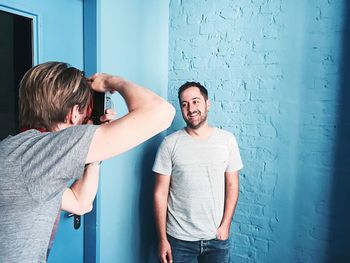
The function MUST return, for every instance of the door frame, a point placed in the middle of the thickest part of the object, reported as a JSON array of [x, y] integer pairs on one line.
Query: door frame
[[35, 27], [91, 65]]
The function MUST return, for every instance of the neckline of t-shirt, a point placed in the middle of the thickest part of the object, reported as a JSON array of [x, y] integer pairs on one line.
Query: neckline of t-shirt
[[200, 140]]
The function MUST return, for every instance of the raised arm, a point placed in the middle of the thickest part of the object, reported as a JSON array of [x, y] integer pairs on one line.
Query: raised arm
[[148, 115]]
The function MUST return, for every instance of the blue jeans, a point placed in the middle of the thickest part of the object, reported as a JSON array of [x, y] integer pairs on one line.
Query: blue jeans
[[203, 251]]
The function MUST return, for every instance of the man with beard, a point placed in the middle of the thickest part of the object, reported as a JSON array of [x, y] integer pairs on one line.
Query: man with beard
[[196, 187]]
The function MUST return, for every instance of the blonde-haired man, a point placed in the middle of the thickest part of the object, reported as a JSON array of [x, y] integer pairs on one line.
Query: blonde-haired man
[[55, 147]]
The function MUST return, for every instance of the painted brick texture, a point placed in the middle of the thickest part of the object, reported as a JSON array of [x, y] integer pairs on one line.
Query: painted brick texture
[[273, 69]]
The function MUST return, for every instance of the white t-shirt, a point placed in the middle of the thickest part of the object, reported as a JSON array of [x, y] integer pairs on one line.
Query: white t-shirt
[[197, 187]]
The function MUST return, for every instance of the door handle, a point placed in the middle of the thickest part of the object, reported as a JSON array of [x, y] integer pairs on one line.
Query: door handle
[[76, 220]]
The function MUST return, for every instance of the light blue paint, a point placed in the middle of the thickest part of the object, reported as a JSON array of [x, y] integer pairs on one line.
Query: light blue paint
[[133, 41], [56, 39], [276, 71], [49, 41]]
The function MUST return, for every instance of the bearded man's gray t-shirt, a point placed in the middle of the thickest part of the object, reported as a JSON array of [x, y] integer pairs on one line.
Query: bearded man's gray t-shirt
[[197, 185], [35, 168]]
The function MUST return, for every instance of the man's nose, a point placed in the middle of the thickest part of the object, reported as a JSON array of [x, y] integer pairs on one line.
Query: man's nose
[[191, 107]]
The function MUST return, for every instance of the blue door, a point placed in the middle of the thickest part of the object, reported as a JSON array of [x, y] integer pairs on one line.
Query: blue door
[[57, 35]]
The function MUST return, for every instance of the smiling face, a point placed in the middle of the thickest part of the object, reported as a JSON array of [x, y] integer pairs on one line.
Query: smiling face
[[194, 107]]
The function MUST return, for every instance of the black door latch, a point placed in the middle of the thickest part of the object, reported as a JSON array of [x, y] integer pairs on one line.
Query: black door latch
[[76, 220]]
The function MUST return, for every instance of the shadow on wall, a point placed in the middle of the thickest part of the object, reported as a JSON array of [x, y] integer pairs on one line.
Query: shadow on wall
[[148, 236], [340, 209]]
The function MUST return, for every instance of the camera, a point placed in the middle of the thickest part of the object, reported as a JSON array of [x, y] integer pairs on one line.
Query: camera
[[101, 102]]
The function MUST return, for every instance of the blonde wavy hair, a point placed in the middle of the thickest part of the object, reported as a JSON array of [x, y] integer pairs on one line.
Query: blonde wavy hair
[[48, 92]]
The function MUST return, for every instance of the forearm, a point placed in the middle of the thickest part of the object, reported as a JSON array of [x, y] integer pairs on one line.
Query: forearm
[[135, 96], [78, 198], [85, 188], [230, 206], [231, 197], [160, 213], [146, 105]]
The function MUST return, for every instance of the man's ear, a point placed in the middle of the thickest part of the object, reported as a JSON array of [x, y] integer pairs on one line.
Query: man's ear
[[208, 105], [73, 115]]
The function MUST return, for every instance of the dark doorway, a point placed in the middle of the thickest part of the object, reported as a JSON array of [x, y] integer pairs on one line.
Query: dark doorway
[[16, 56]]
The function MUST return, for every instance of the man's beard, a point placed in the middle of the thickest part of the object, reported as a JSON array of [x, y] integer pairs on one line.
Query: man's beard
[[199, 124]]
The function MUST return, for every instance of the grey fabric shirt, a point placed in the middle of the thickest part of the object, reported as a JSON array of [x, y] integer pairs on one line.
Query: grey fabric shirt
[[35, 168], [197, 186]]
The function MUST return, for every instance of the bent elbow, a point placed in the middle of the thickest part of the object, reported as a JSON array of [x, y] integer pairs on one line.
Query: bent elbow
[[87, 209], [169, 112], [84, 210]]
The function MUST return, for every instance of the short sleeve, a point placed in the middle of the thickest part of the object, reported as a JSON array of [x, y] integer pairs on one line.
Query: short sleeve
[[52, 159], [162, 163], [235, 161]]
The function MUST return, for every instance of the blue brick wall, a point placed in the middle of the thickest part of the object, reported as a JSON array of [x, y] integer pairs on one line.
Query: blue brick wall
[[275, 71]]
